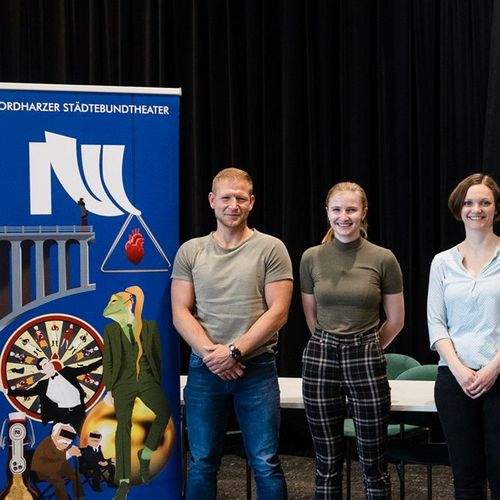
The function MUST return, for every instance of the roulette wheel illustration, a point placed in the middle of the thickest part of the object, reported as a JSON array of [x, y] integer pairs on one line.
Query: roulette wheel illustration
[[65, 340]]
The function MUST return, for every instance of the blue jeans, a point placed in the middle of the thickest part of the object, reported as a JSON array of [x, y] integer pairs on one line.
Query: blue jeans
[[256, 401], [472, 431]]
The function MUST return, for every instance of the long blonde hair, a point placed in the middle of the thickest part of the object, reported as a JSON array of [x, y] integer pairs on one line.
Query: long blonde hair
[[347, 186]]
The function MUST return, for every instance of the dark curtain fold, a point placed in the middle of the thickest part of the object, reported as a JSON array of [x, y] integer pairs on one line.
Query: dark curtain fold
[[401, 96]]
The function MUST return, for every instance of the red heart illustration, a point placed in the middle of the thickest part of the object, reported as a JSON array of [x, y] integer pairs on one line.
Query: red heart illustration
[[134, 248]]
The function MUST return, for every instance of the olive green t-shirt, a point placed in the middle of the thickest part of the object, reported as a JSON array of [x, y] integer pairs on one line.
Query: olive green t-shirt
[[229, 284], [348, 281]]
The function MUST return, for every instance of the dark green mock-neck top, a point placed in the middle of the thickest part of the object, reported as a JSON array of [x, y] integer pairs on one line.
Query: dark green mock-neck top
[[348, 281]]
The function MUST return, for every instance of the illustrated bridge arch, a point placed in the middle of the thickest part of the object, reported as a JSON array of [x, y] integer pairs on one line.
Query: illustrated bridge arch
[[25, 266]]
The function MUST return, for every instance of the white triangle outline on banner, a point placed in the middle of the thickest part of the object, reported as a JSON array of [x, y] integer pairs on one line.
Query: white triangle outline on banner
[[153, 239]]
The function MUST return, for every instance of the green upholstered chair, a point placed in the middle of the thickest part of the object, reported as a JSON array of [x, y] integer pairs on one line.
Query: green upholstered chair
[[396, 364], [399, 363], [410, 451], [422, 372]]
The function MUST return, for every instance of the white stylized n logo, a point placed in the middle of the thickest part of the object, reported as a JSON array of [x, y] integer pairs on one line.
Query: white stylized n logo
[[59, 153]]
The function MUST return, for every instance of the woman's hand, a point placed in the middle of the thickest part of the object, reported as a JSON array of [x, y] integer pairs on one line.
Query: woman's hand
[[484, 380], [474, 383], [466, 378]]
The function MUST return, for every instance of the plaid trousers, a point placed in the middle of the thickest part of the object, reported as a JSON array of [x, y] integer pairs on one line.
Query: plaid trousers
[[351, 367]]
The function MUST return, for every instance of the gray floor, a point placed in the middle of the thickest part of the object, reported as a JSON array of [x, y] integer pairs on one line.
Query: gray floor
[[299, 472]]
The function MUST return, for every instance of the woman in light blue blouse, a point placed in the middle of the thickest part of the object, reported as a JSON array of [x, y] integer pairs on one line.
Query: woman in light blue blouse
[[463, 312]]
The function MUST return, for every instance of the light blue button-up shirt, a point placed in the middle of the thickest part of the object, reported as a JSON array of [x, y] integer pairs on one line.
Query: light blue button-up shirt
[[465, 309]]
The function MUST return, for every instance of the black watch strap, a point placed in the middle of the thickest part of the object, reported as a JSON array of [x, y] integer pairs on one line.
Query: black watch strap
[[234, 352]]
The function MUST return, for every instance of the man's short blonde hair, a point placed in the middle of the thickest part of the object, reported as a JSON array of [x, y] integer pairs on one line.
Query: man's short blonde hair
[[232, 174]]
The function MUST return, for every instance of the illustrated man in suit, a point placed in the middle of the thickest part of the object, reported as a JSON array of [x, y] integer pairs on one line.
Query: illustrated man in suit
[[62, 398], [93, 463], [132, 369], [50, 461]]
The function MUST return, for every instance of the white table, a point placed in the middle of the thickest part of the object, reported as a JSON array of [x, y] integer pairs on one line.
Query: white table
[[406, 395], [414, 396]]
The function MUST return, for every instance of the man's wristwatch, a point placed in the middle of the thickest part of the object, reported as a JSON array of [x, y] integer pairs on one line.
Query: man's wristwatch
[[234, 352]]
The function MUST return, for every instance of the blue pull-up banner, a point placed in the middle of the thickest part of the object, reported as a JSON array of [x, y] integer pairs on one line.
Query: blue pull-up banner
[[89, 364]]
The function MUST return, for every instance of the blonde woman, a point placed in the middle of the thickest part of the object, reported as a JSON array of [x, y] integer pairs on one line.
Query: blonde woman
[[344, 281]]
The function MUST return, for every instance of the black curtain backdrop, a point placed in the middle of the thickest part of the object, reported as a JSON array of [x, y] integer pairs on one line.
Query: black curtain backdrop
[[401, 96]]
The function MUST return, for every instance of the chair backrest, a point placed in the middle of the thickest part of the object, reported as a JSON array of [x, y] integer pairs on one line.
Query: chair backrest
[[399, 363], [422, 372]]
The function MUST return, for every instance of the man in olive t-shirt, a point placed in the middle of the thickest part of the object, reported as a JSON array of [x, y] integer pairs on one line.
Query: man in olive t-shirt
[[231, 291]]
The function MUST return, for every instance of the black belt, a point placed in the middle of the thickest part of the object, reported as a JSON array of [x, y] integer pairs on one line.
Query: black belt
[[74, 408]]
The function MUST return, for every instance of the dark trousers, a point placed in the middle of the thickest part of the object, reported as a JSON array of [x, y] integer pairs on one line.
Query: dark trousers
[[472, 431], [152, 395], [97, 472], [73, 416]]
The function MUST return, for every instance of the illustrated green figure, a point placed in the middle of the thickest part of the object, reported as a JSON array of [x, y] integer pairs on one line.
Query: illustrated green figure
[[132, 369]]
